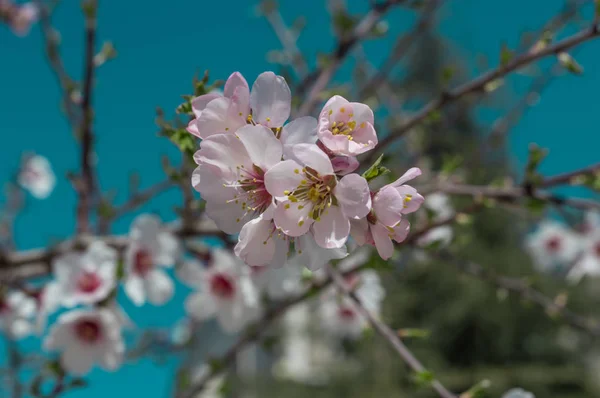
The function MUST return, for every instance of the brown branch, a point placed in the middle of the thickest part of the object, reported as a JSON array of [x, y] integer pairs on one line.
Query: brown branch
[[322, 76], [478, 84], [567, 178], [387, 333], [514, 194], [288, 40], [37, 262], [522, 289], [87, 185]]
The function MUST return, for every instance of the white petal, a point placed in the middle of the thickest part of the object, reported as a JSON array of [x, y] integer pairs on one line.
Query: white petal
[[77, 360], [169, 249], [409, 175], [314, 256], [333, 229], [221, 115], [383, 242], [313, 157], [224, 151], [190, 273], [300, 131], [229, 217], [234, 81], [263, 147], [200, 102], [134, 287], [270, 100], [255, 245], [200, 306], [293, 218], [284, 176], [145, 228], [159, 287], [354, 196]]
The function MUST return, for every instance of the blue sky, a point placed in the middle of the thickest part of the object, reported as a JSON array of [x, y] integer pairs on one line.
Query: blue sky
[[161, 45]]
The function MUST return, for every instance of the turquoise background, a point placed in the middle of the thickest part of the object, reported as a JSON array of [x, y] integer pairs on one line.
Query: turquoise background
[[162, 44]]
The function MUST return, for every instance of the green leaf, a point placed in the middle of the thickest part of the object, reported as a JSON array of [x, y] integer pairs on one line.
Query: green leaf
[[424, 378], [570, 64], [506, 55], [375, 170], [416, 333]]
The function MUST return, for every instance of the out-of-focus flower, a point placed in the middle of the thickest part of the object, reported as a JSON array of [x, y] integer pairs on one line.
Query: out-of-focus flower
[[553, 246], [311, 196], [588, 262], [17, 312], [151, 248], [225, 292], [19, 17], [346, 128], [277, 282], [87, 277], [213, 387], [439, 204], [37, 177], [517, 393], [85, 338], [385, 222]]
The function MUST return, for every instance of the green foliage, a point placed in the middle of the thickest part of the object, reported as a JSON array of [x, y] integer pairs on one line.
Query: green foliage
[[376, 170]]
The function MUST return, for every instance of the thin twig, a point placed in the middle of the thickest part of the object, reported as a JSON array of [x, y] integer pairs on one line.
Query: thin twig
[[288, 40], [478, 84], [325, 74], [567, 178], [387, 333]]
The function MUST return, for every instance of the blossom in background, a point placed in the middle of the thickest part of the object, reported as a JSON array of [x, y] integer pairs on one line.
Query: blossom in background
[[385, 222], [517, 393], [37, 177], [553, 245], [339, 315], [225, 291], [213, 388], [87, 277], [17, 313], [346, 128], [151, 248], [311, 196], [277, 282], [19, 17], [438, 204], [85, 338], [269, 104], [588, 262]]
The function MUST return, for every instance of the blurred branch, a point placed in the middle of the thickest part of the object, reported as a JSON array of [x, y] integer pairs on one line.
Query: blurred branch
[[478, 84], [87, 185], [387, 333], [568, 178], [323, 75]]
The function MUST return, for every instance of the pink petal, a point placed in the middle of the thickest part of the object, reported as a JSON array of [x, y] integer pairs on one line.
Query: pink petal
[[225, 152], [293, 218], [256, 245], [283, 177], [409, 175], [412, 199], [270, 100], [359, 230], [200, 103], [332, 230], [235, 81], [229, 217], [300, 131], [263, 147], [313, 157], [192, 128], [219, 116], [354, 196], [388, 205], [383, 243], [401, 230], [343, 165], [362, 113]]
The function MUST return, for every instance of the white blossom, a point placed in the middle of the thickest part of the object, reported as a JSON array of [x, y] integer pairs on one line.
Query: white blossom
[[17, 312], [37, 177]]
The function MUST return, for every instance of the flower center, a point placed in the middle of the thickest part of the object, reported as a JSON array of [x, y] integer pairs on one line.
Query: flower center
[[222, 286], [88, 330], [553, 244], [314, 189], [4, 307], [597, 249], [142, 262], [254, 197], [88, 282], [346, 313]]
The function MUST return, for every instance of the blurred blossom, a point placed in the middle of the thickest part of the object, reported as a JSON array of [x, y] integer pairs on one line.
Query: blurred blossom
[[85, 338], [17, 313], [278, 282], [37, 177], [151, 249], [213, 387], [181, 333], [87, 277], [553, 246], [19, 17], [589, 259], [517, 393], [225, 291]]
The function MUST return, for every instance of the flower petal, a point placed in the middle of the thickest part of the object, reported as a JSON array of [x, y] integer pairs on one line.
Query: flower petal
[[332, 230], [359, 230], [300, 131], [412, 199], [263, 147], [201, 102], [388, 205], [383, 242], [409, 175], [314, 256], [255, 245], [200, 306], [293, 218], [228, 216], [221, 115], [134, 288], [234, 81], [401, 230], [159, 287], [225, 152], [313, 157], [270, 100], [283, 177], [354, 196]]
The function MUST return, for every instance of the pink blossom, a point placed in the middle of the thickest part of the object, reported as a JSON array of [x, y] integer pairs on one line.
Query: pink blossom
[[23, 17], [346, 128], [385, 222], [230, 176], [268, 104], [310, 195]]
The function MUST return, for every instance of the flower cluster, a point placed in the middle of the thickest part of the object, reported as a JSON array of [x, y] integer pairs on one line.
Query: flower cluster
[[292, 185], [19, 17], [556, 248]]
